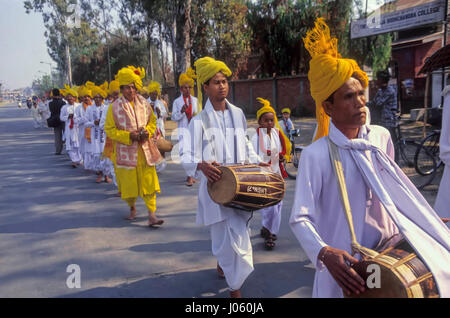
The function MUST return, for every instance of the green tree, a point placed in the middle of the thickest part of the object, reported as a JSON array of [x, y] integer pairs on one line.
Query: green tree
[[221, 30], [278, 27]]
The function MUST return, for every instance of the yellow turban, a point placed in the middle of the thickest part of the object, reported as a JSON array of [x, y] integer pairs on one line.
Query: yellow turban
[[143, 90], [207, 68], [131, 74], [154, 87], [285, 110], [268, 109], [100, 90], [84, 91], [113, 86], [188, 78], [328, 71], [69, 91]]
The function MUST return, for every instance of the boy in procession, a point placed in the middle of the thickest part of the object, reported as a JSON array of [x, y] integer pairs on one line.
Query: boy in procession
[[183, 110], [71, 131]]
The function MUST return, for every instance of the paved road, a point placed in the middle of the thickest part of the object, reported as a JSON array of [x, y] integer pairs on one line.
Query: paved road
[[52, 215]]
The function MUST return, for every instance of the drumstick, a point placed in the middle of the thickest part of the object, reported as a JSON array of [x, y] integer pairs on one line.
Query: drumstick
[[445, 220]]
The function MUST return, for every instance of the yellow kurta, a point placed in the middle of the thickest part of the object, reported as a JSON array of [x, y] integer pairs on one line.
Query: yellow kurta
[[142, 180]]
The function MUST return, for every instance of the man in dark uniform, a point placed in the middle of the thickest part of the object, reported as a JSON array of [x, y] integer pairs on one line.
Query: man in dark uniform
[[55, 110]]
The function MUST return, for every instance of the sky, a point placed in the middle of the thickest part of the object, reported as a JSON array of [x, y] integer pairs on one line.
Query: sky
[[22, 46]]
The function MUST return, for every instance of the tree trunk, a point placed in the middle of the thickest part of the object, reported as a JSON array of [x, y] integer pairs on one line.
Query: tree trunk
[[69, 65], [182, 48], [163, 56], [173, 34], [150, 55]]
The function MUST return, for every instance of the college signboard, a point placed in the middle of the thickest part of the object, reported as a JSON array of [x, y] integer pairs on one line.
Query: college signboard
[[390, 17]]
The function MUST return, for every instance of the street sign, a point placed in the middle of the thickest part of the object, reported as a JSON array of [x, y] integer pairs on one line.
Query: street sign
[[393, 17]]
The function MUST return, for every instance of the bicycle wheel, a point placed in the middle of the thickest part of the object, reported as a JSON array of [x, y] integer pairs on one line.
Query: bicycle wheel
[[426, 157], [404, 153], [291, 167]]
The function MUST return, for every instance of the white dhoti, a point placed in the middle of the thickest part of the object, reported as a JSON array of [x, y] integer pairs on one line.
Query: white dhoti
[[232, 247], [442, 204], [271, 217], [74, 154], [88, 160]]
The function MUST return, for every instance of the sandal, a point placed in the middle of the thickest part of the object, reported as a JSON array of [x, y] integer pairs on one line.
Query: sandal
[[159, 222], [269, 244], [265, 233]]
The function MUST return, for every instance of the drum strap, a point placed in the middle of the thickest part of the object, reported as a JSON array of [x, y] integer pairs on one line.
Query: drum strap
[[339, 172]]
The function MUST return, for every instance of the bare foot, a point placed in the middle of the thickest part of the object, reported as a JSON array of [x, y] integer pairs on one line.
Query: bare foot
[[153, 220], [132, 215], [99, 178], [190, 181], [235, 294], [118, 194], [220, 271], [108, 179]]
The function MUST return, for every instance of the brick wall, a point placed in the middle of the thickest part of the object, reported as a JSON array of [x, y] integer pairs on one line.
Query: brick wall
[[291, 92]]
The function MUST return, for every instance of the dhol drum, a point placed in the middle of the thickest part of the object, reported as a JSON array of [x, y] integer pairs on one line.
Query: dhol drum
[[247, 187], [402, 274]]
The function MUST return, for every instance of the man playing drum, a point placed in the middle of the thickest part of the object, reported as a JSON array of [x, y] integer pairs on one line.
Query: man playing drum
[[217, 136], [383, 200]]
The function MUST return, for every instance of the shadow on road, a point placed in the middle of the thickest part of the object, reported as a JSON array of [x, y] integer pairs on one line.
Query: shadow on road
[[206, 284]]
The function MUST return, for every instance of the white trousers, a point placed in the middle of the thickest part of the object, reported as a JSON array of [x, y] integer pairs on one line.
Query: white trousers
[[232, 247], [88, 160], [271, 217], [74, 155]]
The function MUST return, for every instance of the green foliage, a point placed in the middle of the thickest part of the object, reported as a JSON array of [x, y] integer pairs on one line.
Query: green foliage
[[222, 32], [278, 28], [178, 32]]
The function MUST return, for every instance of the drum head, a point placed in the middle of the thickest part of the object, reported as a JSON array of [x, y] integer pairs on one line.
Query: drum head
[[223, 191], [390, 285]]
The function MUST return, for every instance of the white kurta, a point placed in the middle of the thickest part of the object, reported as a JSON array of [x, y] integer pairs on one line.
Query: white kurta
[[271, 216], [44, 111], [383, 201], [226, 143], [71, 135], [442, 204], [317, 201], [98, 135], [108, 166], [37, 123], [163, 115], [80, 120], [182, 120]]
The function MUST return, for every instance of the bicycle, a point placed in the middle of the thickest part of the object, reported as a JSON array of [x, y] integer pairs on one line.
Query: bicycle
[[408, 155], [426, 159], [291, 165], [405, 148]]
